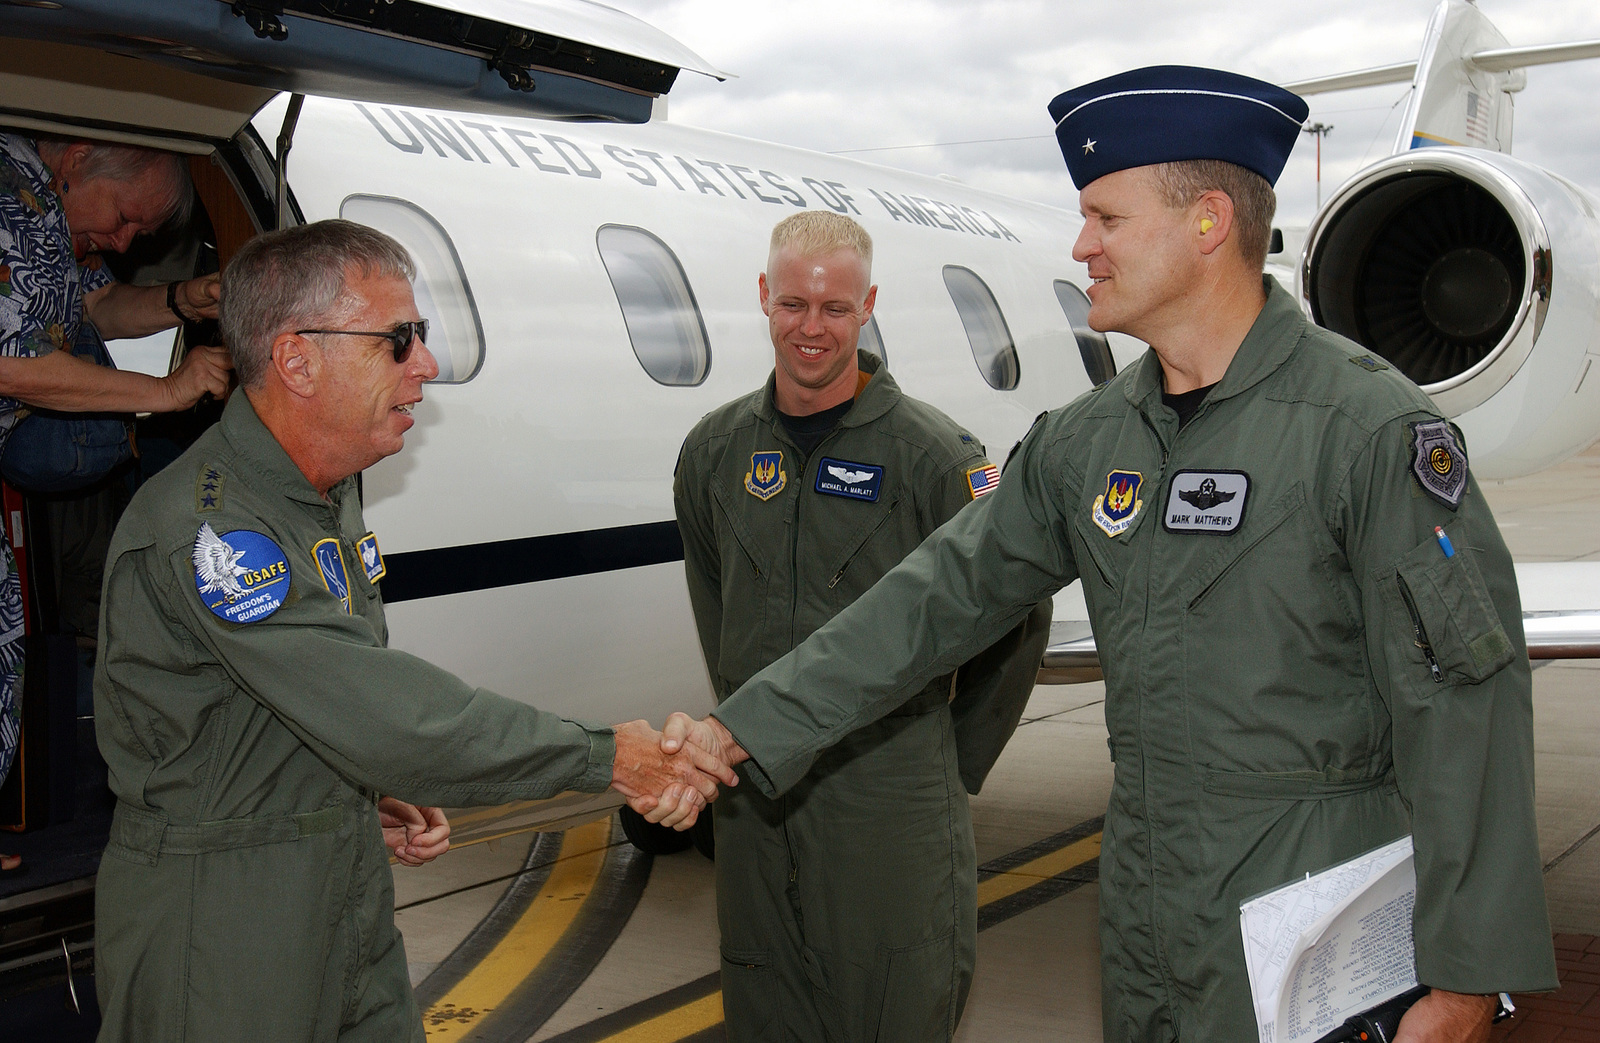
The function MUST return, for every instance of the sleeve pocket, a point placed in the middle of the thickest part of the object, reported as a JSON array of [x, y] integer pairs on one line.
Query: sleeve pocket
[[1451, 613]]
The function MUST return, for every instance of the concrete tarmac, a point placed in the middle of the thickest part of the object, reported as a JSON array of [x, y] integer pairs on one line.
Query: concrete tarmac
[[643, 968]]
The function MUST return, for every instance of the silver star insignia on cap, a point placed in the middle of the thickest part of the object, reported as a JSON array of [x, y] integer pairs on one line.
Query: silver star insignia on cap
[[1088, 146]]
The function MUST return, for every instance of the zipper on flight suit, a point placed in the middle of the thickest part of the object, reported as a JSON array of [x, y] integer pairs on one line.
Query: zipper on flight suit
[[837, 576], [1422, 635]]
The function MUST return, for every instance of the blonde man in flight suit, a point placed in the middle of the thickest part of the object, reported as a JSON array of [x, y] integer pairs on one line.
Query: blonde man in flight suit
[[848, 903]]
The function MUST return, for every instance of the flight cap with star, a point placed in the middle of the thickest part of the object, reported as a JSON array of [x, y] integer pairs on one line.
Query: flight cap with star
[[1168, 113]]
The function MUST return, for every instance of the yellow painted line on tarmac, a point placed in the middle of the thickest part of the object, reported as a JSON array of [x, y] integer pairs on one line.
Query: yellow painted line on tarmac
[[1008, 883], [681, 1023], [704, 1013], [551, 913]]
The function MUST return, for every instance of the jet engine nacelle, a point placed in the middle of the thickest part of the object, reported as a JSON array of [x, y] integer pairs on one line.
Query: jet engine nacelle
[[1477, 276]]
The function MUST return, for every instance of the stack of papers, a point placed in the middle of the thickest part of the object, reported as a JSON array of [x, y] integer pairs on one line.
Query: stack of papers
[[1323, 949]]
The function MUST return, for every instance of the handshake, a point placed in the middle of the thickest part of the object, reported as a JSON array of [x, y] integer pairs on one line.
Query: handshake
[[670, 775]]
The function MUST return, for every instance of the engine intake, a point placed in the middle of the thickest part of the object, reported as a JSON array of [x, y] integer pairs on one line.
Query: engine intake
[[1443, 262]]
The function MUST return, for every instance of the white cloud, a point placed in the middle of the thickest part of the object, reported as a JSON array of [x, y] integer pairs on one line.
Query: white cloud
[[839, 75]]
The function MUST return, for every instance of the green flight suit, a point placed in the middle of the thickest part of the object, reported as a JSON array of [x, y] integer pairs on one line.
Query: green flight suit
[[1270, 710], [246, 892], [847, 904]]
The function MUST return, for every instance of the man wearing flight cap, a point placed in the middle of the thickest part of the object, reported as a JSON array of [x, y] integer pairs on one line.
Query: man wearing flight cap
[[1308, 622]]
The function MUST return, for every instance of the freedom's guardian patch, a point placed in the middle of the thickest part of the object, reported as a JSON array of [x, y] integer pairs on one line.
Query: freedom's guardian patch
[[1206, 501], [981, 481], [850, 480], [1115, 509], [241, 576], [371, 557], [1438, 461], [765, 478], [330, 562]]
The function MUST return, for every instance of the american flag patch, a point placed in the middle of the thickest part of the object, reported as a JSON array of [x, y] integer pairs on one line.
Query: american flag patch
[[981, 481]]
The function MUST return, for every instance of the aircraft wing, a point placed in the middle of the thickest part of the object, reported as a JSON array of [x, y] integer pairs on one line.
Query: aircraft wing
[[1500, 59], [1560, 615]]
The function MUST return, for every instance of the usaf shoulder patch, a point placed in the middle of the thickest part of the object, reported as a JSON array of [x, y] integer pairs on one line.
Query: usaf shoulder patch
[[766, 479], [1115, 509], [330, 562], [208, 490], [852, 481], [1438, 461], [1206, 501], [241, 576], [981, 480], [1370, 363], [371, 558]]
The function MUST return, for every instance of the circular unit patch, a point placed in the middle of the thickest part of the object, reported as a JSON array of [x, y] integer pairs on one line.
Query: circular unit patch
[[241, 576]]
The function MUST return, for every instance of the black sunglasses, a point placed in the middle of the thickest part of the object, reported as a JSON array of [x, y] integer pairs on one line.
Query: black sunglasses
[[401, 337]]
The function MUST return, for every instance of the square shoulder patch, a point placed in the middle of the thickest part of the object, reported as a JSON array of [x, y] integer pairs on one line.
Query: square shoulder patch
[[983, 479]]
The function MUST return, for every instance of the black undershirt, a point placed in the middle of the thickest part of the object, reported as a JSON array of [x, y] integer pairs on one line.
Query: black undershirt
[[809, 431], [1186, 404]]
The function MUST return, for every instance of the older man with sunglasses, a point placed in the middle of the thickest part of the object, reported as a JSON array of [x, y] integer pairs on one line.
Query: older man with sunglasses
[[264, 744]]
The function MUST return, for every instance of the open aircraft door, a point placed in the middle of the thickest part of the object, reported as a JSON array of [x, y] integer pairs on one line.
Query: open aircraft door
[[192, 76]]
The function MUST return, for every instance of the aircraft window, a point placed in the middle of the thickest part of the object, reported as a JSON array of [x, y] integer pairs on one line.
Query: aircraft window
[[992, 347], [1092, 345], [455, 333], [872, 340], [663, 320]]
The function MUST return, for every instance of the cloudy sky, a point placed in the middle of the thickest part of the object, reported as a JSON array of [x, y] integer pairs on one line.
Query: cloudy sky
[[959, 87]]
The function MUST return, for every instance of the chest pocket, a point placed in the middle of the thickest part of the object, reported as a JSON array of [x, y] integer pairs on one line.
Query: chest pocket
[[858, 559], [742, 552], [1233, 549], [1107, 557]]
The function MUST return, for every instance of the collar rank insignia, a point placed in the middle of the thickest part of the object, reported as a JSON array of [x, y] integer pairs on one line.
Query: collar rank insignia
[[330, 562], [208, 490], [981, 481], [1438, 461], [1206, 501], [371, 557], [1114, 510], [766, 478], [241, 576], [852, 481]]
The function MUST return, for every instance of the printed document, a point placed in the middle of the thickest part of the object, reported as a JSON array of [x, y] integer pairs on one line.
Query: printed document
[[1328, 947]]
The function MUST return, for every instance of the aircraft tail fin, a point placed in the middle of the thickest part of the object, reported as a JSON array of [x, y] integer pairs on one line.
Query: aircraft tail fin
[[1455, 100], [1462, 85]]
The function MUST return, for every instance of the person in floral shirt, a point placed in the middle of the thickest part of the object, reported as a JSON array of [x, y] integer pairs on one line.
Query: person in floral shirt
[[61, 204]]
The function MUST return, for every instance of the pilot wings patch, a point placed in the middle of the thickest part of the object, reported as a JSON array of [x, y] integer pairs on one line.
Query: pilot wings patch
[[853, 481]]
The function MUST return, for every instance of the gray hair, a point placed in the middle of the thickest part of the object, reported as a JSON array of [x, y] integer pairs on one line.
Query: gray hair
[[167, 172], [1254, 202], [812, 232], [295, 279]]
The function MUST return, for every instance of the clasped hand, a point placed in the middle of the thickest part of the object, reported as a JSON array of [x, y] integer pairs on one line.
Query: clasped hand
[[669, 777]]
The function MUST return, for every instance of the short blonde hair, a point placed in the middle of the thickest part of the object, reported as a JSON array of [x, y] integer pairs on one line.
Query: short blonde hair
[[818, 232]]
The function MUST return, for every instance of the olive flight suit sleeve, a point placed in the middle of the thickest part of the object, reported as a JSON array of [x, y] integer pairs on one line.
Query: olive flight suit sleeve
[[382, 718], [702, 564], [1446, 649], [969, 583], [992, 688]]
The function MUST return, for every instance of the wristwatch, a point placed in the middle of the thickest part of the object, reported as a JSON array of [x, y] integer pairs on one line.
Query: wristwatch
[[172, 302], [1504, 1008]]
